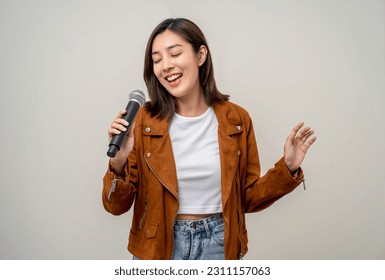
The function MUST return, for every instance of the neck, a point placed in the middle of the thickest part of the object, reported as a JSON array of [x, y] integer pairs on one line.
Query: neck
[[191, 107]]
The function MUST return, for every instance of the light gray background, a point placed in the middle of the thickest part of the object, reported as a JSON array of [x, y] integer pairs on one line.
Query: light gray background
[[67, 67]]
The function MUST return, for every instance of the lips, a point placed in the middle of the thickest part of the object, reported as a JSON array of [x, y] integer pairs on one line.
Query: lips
[[172, 78]]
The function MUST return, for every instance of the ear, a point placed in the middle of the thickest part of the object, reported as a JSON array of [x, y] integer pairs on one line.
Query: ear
[[202, 55]]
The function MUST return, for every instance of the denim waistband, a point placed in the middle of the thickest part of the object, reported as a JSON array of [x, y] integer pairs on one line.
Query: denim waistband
[[199, 225]]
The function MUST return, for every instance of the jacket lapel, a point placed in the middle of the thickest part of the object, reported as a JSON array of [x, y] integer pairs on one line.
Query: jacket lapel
[[229, 124], [158, 153]]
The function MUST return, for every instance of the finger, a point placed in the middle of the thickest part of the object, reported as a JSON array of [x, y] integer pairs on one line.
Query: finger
[[307, 145], [121, 113], [120, 121], [302, 133], [119, 126], [295, 131], [112, 132], [310, 142], [307, 135]]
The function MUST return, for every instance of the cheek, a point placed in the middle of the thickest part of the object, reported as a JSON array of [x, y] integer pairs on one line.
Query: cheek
[[195, 72]]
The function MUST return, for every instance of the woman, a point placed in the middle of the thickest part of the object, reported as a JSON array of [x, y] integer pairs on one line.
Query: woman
[[193, 170]]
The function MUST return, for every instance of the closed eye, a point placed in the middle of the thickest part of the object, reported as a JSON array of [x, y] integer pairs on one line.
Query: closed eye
[[176, 55]]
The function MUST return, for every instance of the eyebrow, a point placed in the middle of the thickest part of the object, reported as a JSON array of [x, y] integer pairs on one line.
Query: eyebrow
[[168, 48]]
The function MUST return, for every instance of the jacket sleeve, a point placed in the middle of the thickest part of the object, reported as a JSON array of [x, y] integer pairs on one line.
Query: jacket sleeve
[[119, 190], [261, 192]]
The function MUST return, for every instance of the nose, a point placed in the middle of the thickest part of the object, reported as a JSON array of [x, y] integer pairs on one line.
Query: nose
[[167, 64]]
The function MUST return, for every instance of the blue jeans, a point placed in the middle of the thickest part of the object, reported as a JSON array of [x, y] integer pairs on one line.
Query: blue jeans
[[199, 239]]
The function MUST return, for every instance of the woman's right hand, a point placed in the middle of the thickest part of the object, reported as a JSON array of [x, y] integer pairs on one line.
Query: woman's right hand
[[117, 127]]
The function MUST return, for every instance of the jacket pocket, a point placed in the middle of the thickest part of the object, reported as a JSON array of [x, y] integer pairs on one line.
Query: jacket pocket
[[150, 229]]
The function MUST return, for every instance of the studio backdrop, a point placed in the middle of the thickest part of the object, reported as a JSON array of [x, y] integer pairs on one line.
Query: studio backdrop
[[67, 67]]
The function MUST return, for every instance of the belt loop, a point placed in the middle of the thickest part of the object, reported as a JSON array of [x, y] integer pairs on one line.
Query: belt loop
[[208, 232]]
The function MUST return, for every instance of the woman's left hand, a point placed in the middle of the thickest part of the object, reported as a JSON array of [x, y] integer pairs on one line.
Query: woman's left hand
[[297, 145]]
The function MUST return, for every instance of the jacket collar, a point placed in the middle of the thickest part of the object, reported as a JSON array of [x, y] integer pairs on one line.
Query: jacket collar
[[228, 118], [227, 115]]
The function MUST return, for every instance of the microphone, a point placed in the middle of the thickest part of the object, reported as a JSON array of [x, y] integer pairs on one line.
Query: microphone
[[135, 100]]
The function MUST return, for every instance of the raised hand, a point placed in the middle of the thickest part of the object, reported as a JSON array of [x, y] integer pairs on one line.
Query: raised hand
[[297, 145], [117, 127]]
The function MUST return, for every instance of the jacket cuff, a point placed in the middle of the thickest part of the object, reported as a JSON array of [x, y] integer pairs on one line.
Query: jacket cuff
[[120, 175], [298, 176]]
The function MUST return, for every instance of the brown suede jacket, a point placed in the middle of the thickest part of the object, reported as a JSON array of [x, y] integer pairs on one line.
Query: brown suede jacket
[[149, 179]]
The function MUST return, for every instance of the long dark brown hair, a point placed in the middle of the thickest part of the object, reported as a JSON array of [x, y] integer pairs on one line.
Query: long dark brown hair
[[162, 104]]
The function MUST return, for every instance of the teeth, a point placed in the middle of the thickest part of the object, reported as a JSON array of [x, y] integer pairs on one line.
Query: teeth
[[173, 77]]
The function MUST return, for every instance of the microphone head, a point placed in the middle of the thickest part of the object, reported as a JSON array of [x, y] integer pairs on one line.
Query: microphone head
[[137, 96]]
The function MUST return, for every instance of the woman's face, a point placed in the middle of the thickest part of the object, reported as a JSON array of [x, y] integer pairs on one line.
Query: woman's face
[[176, 64]]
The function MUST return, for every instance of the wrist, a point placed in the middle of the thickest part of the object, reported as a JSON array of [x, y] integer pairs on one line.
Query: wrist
[[292, 169], [293, 172], [118, 164]]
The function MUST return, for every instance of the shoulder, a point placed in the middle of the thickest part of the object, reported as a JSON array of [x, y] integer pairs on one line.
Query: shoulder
[[234, 113], [231, 106], [144, 114], [145, 119]]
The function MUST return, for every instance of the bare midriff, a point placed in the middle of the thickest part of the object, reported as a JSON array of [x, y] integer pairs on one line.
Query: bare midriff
[[192, 217]]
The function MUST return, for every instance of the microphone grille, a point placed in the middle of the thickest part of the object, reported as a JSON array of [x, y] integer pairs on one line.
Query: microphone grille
[[138, 96]]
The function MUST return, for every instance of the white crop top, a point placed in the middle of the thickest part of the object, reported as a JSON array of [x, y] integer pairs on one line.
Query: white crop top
[[196, 152]]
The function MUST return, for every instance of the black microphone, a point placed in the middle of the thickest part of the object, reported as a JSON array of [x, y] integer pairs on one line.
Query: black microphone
[[135, 100]]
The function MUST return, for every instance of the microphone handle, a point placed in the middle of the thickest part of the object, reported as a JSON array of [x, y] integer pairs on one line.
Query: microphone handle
[[117, 140]]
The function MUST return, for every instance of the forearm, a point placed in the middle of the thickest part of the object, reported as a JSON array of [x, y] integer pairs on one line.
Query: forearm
[[118, 192], [276, 183]]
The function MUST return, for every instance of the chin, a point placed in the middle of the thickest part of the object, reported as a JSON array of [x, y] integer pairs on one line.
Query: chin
[[176, 92]]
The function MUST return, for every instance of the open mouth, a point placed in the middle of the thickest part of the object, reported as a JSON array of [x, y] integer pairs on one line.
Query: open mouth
[[173, 78]]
